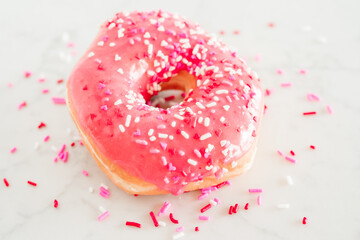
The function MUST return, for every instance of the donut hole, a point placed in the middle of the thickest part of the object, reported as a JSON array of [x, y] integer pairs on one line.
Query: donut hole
[[173, 91]]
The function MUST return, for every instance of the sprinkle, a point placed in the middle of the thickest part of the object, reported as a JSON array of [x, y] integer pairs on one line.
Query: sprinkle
[[27, 74], [289, 180], [57, 100], [121, 127], [235, 209], [152, 215], [103, 216], [173, 124], [283, 205], [303, 71], [200, 105], [246, 206], [312, 146], [226, 107], [255, 190], [13, 150], [104, 107], [286, 84], [56, 204], [203, 196], [312, 97], [230, 212], [217, 201], [179, 229], [118, 102], [141, 142], [128, 119], [204, 218], [152, 138], [6, 182], [292, 153], [212, 104], [204, 209], [280, 153], [304, 220], [21, 105], [91, 189], [178, 117], [133, 224], [46, 138], [120, 70], [178, 235], [205, 136], [207, 122], [164, 208], [85, 173], [196, 229], [259, 200], [279, 71], [290, 159], [32, 183], [222, 91], [91, 54], [309, 113], [192, 162], [220, 185], [172, 219], [185, 135], [329, 109]]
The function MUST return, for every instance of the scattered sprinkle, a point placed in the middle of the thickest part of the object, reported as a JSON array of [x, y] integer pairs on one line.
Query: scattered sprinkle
[[21, 105], [32, 183], [255, 190], [303, 71], [259, 200], [304, 220], [13, 150], [329, 109], [312, 146], [133, 224], [287, 84], [204, 218], [153, 218], [103, 216], [56, 203], [204, 209], [309, 113], [85, 173], [289, 180], [6, 182], [57, 100], [246, 206], [172, 219], [290, 159]]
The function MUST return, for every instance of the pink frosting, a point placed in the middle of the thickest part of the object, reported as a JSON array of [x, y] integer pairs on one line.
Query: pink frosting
[[132, 53]]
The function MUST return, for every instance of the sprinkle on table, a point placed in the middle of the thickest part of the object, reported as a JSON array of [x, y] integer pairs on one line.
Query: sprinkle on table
[[259, 200], [312, 146], [27, 74], [56, 203], [235, 209], [57, 100], [103, 216], [172, 219], [230, 212], [304, 220], [153, 218], [32, 183], [13, 150], [41, 125], [204, 209], [329, 109], [196, 229], [133, 224], [309, 113], [21, 105], [85, 173], [204, 218], [6, 182], [255, 190], [246, 206]]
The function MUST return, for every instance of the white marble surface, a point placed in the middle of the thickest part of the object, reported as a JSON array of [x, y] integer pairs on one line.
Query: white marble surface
[[322, 37]]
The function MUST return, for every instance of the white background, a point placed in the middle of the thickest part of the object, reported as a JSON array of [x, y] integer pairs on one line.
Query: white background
[[322, 37]]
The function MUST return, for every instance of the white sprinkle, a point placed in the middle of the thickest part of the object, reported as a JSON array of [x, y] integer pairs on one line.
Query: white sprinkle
[[283, 205], [289, 180], [212, 104], [212, 202], [223, 143], [178, 117], [146, 42], [163, 43], [207, 122], [150, 132], [111, 44], [234, 164], [171, 137], [150, 49], [200, 105], [147, 35], [142, 142], [200, 120], [91, 54], [210, 147], [37, 145], [162, 224], [173, 124], [222, 91], [91, 189], [154, 150], [226, 107], [197, 153], [192, 162], [185, 135], [117, 58], [161, 29], [152, 138], [222, 119], [216, 98], [151, 73], [205, 136], [121, 33], [162, 135], [128, 119], [101, 43], [137, 119], [208, 168], [121, 127], [120, 70], [111, 26]]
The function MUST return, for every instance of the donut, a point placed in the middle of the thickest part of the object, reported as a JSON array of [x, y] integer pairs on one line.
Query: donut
[[207, 138]]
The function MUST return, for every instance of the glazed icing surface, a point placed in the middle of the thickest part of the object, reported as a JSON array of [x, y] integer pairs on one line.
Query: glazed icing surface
[[131, 55]]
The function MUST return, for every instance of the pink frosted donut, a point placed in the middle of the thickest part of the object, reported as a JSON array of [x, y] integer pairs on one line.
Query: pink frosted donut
[[206, 139]]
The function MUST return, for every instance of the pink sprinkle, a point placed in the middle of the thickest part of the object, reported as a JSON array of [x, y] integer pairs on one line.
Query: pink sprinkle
[[103, 216], [259, 200], [312, 97], [303, 71], [203, 196], [255, 190], [280, 153], [290, 159], [27, 74], [104, 107], [41, 80], [21, 105], [13, 150], [329, 109], [286, 84], [71, 44], [85, 173], [55, 159], [279, 71], [10, 85], [204, 218], [236, 32], [179, 229], [46, 138], [217, 201], [164, 208], [65, 158], [257, 57], [45, 90], [62, 149], [57, 100]]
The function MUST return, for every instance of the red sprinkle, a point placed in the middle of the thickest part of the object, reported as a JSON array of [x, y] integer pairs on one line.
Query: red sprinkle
[[72, 144], [21, 105], [152, 215], [196, 229], [172, 219], [304, 220], [6, 182], [220, 185], [42, 125], [56, 204], [292, 153], [271, 24], [230, 210], [133, 224], [32, 183], [60, 81], [309, 113], [169, 98], [312, 146], [246, 206], [207, 207], [235, 209]]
